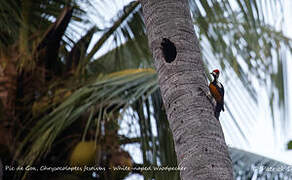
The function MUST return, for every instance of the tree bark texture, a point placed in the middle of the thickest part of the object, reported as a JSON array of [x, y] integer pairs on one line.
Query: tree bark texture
[[198, 137]]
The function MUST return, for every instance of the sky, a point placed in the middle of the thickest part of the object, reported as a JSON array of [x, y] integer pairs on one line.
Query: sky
[[260, 133]]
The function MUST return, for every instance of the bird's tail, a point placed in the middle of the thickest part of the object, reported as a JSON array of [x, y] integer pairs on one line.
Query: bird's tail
[[218, 109]]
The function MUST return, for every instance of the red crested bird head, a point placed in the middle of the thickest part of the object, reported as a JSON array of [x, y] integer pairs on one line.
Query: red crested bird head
[[215, 73]]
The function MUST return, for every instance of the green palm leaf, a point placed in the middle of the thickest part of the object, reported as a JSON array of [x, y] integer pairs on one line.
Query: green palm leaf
[[117, 89], [239, 36]]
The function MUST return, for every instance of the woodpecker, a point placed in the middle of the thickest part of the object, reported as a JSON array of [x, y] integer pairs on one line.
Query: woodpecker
[[217, 91]]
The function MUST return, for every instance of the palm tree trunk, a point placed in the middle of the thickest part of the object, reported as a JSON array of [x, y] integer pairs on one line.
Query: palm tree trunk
[[198, 137]]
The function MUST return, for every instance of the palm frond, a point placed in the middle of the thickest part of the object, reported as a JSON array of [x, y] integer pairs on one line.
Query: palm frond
[[132, 54], [24, 20], [78, 51], [118, 89], [10, 19], [125, 43], [127, 11], [240, 36]]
